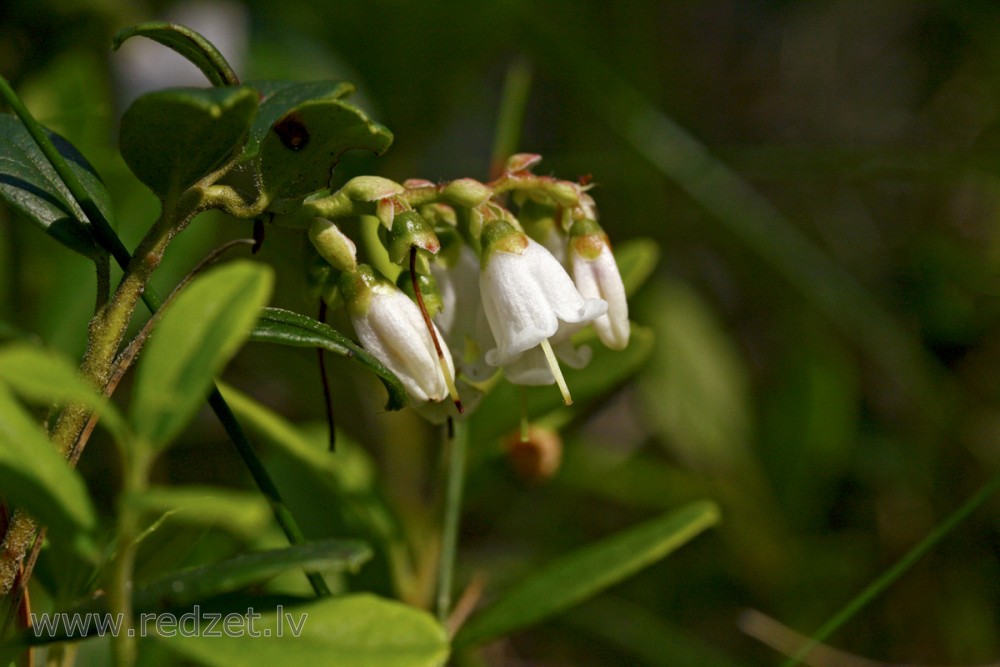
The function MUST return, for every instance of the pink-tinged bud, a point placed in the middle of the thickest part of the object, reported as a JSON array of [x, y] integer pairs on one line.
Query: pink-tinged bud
[[371, 188], [467, 192], [333, 245], [521, 162], [392, 328], [418, 184], [596, 275]]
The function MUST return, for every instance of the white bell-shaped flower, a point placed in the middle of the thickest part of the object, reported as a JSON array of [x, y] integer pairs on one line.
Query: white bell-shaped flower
[[391, 327], [596, 275], [526, 294], [461, 317]]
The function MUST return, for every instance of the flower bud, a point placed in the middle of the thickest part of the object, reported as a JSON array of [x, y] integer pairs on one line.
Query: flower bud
[[563, 193], [596, 275], [371, 188], [392, 328], [333, 245], [521, 162], [409, 229], [467, 192]]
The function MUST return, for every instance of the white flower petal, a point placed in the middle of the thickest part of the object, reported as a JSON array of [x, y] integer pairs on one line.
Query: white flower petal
[[599, 278]]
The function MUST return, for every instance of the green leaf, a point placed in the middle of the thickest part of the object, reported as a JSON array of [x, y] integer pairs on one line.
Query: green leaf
[[278, 98], [637, 258], [30, 186], [580, 575], [696, 385], [34, 476], [351, 631], [171, 138], [42, 376], [298, 154], [204, 326], [181, 589], [285, 327], [239, 512], [189, 44]]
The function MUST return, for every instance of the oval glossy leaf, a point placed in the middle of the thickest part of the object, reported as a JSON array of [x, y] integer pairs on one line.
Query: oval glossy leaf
[[33, 475], [281, 97], [42, 376], [285, 327], [190, 44], [299, 152], [200, 330], [351, 631], [582, 574], [171, 138], [239, 512], [30, 186]]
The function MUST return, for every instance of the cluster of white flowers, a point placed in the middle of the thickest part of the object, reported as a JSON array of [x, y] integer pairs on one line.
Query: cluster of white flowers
[[504, 293]]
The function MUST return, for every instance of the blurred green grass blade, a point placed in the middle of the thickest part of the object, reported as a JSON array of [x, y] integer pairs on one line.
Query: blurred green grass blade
[[731, 200], [584, 573], [242, 513], [188, 43], [200, 330], [285, 327], [33, 475], [351, 631], [510, 118], [182, 589], [42, 376]]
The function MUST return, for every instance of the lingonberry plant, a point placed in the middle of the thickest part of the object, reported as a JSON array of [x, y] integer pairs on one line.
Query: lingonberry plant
[[467, 288]]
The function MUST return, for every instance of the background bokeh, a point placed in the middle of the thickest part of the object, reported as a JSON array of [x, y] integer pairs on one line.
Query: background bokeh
[[823, 183]]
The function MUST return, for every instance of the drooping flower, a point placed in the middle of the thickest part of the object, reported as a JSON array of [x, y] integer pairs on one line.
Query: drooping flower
[[596, 275], [527, 295], [391, 327], [462, 318]]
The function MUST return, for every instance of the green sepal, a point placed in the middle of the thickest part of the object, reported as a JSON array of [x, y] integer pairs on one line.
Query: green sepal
[[409, 229]]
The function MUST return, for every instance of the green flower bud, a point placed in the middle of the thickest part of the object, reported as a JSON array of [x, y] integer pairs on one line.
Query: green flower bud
[[333, 245], [563, 193], [371, 188], [521, 162], [409, 229], [467, 192]]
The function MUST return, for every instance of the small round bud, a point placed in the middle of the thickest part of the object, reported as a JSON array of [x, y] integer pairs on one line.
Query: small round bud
[[537, 458], [371, 188], [409, 229], [467, 192], [563, 193]]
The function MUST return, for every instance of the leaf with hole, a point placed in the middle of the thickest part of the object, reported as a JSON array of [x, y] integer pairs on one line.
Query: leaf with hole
[[279, 98], [172, 138], [299, 152], [285, 327], [30, 186]]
